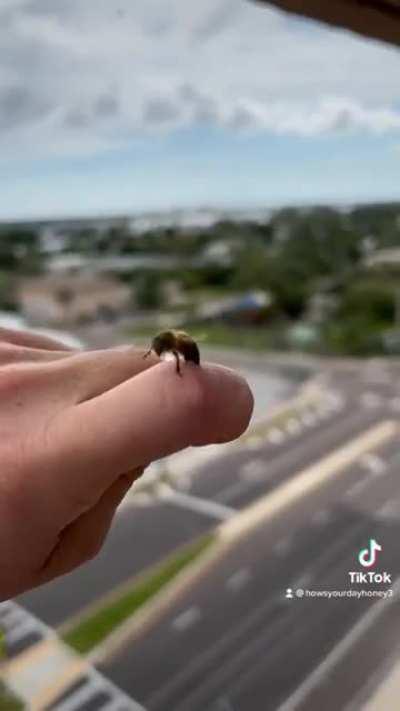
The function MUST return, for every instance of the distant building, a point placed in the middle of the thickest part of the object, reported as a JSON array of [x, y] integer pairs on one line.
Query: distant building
[[195, 220], [72, 262], [247, 307], [190, 220], [72, 299], [55, 234], [217, 252], [383, 259], [320, 307]]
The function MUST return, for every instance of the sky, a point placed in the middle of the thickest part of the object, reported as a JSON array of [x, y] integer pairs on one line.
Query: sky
[[125, 106]]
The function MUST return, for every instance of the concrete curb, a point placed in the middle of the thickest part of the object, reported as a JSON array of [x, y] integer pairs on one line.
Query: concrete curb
[[156, 605], [307, 480], [240, 525]]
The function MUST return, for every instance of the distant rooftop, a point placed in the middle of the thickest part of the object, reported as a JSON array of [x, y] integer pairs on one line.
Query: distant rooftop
[[383, 258], [77, 262]]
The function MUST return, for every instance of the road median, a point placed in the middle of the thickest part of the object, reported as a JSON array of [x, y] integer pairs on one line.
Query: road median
[[227, 533]]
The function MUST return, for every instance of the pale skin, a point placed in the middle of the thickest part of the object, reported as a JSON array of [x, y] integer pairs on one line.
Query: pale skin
[[77, 428]]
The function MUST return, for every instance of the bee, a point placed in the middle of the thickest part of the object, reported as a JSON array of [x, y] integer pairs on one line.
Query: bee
[[175, 342]]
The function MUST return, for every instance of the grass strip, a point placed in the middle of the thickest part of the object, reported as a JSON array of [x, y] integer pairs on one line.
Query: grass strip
[[94, 629], [8, 702]]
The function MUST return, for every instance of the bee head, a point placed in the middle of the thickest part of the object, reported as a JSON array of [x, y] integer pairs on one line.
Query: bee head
[[164, 341]]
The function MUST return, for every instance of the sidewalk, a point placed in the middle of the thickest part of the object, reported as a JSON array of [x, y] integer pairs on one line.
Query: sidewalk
[[386, 697], [47, 670]]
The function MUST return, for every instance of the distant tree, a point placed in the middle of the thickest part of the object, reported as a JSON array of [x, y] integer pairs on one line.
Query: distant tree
[[20, 251], [251, 267], [148, 290], [8, 299], [369, 298], [84, 241], [366, 310]]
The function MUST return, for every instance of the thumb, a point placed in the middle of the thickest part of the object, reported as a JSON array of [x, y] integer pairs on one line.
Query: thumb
[[83, 539]]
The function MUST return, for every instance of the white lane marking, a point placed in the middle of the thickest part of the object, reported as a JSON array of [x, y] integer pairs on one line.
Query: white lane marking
[[331, 467], [187, 619], [21, 630], [283, 546], [356, 489], [80, 697], [233, 490], [293, 426], [230, 640], [6, 608], [114, 705], [322, 671], [275, 436], [336, 402], [390, 511], [12, 618], [373, 463], [204, 506], [371, 400], [322, 517], [238, 580], [253, 471]]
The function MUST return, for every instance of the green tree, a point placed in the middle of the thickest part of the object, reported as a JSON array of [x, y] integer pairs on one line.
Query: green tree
[[8, 301], [148, 290], [20, 251]]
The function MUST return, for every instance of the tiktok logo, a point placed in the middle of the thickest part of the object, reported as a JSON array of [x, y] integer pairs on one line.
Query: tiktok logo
[[367, 556]]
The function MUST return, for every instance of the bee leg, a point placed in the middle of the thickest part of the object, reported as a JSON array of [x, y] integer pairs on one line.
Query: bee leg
[[178, 368], [148, 353]]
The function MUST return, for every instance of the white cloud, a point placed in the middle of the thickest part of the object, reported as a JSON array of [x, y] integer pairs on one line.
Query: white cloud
[[86, 76]]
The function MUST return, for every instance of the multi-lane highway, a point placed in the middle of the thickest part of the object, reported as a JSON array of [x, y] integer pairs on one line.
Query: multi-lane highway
[[143, 535], [234, 641]]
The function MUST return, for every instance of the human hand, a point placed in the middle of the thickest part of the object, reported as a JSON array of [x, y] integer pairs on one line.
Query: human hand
[[77, 428]]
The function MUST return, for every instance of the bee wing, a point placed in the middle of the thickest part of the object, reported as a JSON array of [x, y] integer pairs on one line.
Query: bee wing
[[201, 337]]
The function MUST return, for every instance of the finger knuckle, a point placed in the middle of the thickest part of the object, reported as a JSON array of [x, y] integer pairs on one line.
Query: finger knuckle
[[8, 352], [91, 548]]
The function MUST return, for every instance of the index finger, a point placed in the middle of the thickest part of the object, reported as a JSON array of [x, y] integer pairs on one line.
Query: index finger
[[31, 339], [143, 419]]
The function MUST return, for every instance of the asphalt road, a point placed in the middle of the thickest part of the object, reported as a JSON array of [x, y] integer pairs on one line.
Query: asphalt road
[[141, 536], [233, 642]]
